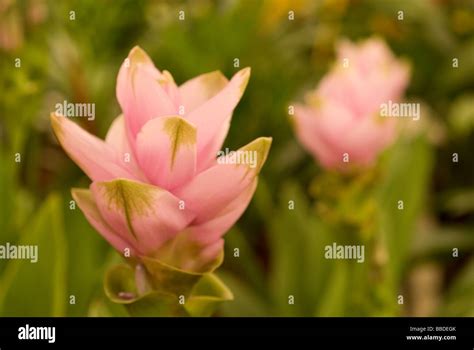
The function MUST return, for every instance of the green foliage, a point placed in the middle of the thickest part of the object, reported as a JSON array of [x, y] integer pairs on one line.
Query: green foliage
[[401, 198], [38, 288], [201, 297]]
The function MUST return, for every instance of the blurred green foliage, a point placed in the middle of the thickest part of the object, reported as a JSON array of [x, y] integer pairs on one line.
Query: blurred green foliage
[[280, 250]]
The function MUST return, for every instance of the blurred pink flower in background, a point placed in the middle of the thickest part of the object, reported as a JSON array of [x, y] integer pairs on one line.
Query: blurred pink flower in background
[[157, 188], [342, 115]]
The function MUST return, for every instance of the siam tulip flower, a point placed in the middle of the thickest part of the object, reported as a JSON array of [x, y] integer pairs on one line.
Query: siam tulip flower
[[157, 190], [340, 124]]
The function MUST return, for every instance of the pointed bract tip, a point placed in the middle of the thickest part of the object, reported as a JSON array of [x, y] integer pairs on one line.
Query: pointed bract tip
[[55, 123], [138, 55], [243, 75], [261, 146]]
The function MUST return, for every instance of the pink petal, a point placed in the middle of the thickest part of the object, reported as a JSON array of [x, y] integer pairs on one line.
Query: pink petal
[[346, 87], [211, 231], [363, 138], [166, 151], [140, 93], [117, 138], [95, 157], [368, 138], [307, 128], [207, 156], [167, 82], [145, 215], [198, 90], [320, 130], [221, 184], [85, 201], [211, 116]]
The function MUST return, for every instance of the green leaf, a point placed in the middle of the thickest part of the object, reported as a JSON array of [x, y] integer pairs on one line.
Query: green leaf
[[333, 298], [156, 304], [120, 281], [406, 179], [120, 288], [247, 302], [297, 241], [207, 295], [38, 289], [104, 307], [169, 279]]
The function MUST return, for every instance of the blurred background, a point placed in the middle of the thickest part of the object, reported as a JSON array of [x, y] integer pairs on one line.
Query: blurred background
[[419, 261]]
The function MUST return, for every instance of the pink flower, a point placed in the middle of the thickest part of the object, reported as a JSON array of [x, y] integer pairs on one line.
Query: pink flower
[[157, 189], [340, 124]]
